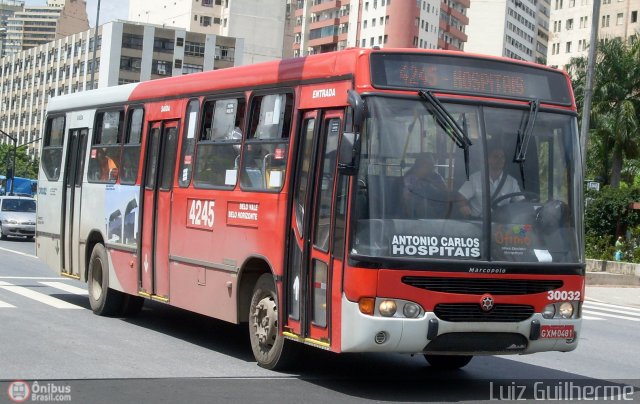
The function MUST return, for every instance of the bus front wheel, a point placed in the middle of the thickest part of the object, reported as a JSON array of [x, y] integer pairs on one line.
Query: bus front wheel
[[103, 300], [448, 361], [270, 348]]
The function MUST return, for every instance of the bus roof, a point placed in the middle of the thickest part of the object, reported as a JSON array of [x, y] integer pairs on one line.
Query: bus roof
[[312, 68]]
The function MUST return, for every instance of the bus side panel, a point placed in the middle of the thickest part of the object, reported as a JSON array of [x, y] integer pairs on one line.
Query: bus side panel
[[124, 270], [222, 249], [48, 243]]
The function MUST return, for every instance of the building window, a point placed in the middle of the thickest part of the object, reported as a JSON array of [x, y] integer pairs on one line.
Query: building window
[[605, 20], [207, 3], [194, 49], [569, 25], [179, 41], [177, 64], [634, 17], [205, 21], [568, 47], [161, 67], [130, 63], [619, 18], [131, 41]]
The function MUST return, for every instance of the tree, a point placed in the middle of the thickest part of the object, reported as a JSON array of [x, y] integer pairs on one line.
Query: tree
[[615, 114], [25, 165]]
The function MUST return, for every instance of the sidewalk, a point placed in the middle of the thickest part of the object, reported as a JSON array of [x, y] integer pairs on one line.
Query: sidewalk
[[624, 296]]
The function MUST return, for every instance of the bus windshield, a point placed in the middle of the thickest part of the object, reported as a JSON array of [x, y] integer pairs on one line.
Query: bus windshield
[[414, 198]]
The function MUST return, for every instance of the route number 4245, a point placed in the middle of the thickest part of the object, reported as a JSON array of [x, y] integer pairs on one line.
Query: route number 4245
[[201, 214]]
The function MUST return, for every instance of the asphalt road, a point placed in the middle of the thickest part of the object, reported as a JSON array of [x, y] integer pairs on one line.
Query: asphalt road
[[49, 334]]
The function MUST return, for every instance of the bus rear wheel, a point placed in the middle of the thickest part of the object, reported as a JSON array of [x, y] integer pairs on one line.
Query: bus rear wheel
[[448, 361], [103, 300], [270, 348]]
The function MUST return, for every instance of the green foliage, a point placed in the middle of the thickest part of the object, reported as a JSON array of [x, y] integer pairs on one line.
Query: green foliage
[[614, 143], [25, 165], [608, 215], [608, 211], [599, 247]]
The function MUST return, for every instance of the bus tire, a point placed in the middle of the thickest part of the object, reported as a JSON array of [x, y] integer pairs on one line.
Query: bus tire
[[270, 348], [131, 305], [103, 300], [448, 362]]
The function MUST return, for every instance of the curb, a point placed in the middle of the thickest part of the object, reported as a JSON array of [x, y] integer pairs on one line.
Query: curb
[[609, 279]]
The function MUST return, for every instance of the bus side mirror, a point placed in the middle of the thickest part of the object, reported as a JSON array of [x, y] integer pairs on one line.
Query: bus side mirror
[[349, 152]]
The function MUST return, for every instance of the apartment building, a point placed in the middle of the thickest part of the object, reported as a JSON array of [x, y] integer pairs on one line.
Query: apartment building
[[261, 25], [125, 53], [329, 25], [516, 29], [7, 9], [33, 26], [571, 26]]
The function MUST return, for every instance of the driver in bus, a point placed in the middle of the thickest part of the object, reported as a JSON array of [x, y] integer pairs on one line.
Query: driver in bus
[[423, 189], [500, 184]]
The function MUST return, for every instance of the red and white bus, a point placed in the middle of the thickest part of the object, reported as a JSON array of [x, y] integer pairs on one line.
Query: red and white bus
[[284, 195]]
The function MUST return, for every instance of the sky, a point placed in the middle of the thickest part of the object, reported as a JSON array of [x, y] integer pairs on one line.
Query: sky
[[110, 10]]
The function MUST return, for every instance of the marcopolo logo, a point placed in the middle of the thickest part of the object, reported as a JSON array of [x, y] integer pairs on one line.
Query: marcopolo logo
[[20, 391]]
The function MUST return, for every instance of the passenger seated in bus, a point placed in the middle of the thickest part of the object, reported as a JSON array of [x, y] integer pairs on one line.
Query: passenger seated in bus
[[500, 184], [424, 190], [106, 170]]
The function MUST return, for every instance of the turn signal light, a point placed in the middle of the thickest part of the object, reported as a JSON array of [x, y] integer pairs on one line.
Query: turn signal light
[[367, 305]]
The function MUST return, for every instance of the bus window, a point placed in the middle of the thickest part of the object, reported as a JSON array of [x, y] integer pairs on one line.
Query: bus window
[[188, 144], [52, 148], [131, 151], [105, 151], [265, 152], [219, 143]]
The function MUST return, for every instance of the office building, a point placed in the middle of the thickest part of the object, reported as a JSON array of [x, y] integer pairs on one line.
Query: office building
[[571, 26], [126, 53], [36, 25], [324, 26], [259, 24], [516, 29], [7, 9]]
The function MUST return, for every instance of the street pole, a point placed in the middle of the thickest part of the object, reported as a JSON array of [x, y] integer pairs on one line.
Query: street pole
[[95, 46], [14, 139], [588, 87]]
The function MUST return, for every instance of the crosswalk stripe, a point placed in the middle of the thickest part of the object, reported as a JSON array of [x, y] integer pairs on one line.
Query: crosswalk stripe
[[614, 306], [591, 318], [37, 296], [4, 305], [67, 288], [600, 313], [608, 309]]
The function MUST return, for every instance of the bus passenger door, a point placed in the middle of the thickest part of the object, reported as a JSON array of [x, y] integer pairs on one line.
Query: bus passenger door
[[310, 264], [156, 216], [72, 192]]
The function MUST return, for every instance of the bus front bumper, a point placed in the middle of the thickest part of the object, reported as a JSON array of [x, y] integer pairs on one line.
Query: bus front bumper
[[429, 334]]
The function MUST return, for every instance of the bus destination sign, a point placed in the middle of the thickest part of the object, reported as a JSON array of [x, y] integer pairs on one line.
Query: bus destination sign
[[468, 75]]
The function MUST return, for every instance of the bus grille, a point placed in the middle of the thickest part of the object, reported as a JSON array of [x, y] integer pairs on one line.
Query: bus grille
[[471, 312], [481, 286]]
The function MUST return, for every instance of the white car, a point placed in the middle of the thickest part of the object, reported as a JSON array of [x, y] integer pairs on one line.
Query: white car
[[17, 217]]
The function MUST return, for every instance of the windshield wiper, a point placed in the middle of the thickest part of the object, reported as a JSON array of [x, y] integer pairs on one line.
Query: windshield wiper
[[524, 134], [449, 124]]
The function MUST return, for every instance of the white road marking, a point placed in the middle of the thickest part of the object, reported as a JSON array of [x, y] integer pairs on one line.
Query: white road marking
[[591, 318], [18, 252], [56, 278], [37, 296], [4, 305], [67, 288], [609, 310], [613, 306], [603, 314]]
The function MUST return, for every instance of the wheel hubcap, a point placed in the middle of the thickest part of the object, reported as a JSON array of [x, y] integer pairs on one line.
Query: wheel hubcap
[[265, 321]]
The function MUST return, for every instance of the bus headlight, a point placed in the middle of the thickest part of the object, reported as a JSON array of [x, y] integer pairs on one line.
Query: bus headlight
[[411, 310], [549, 311], [388, 308], [566, 310]]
